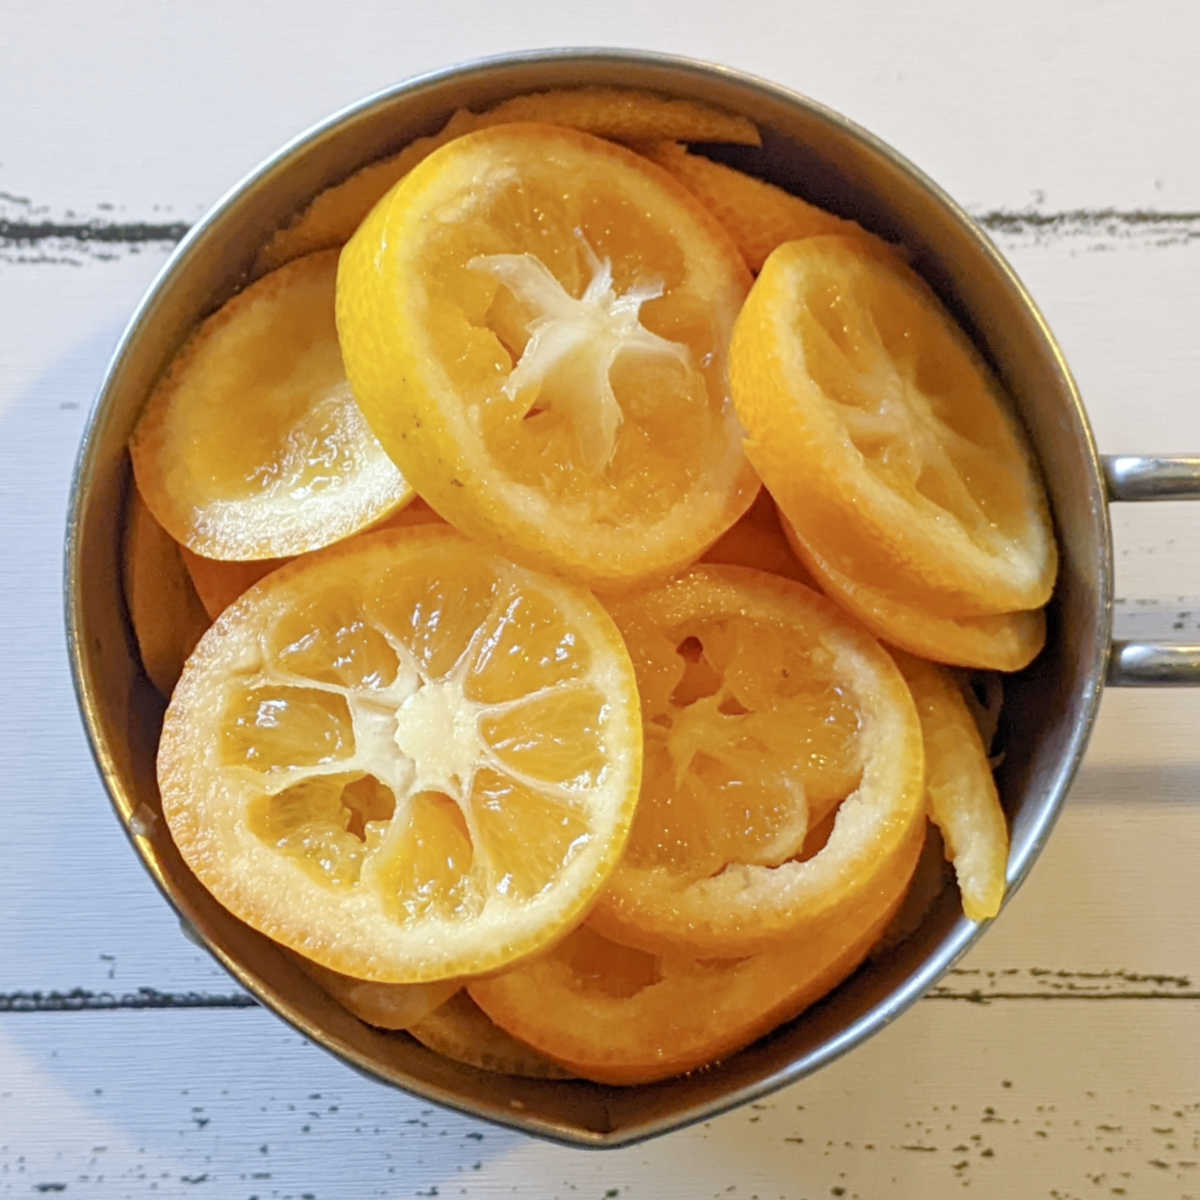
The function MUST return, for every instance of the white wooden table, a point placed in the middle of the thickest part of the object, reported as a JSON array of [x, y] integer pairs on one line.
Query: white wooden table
[[1062, 1059]]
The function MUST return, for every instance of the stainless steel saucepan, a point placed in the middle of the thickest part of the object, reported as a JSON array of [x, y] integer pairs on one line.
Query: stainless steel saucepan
[[1050, 707]]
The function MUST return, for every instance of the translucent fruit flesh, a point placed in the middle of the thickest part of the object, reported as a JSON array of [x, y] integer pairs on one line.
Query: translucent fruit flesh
[[252, 445], [995, 641], [404, 758], [764, 711], [621, 1016], [562, 350], [884, 438]]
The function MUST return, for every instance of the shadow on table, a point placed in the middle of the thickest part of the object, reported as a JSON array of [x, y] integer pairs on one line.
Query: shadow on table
[[72, 902]]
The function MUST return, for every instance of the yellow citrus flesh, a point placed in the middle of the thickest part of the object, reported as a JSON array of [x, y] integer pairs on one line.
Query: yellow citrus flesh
[[883, 436], [621, 114], [383, 1005], [252, 445], [997, 642], [960, 791], [461, 1030], [405, 758], [758, 215], [765, 710], [617, 1015], [535, 323], [165, 613]]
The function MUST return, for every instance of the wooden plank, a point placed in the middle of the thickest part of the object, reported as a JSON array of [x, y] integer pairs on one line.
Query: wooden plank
[[234, 1105], [33, 233], [1064, 106]]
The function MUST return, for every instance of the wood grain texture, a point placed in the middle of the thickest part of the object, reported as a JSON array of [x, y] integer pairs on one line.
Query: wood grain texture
[[115, 1105], [32, 233], [1061, 1058], [1088, 105]]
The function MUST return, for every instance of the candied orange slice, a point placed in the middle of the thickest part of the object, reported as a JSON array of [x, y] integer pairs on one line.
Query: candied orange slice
[[219, 583], [997, 642], [252, 445], [617, 113], [764, 710], [960, 791], [165, 613], [758, 541], [330, 218], [883, 436], [535, 322], [405, 758], [461, 1030], [628, 115], [758, 215], [617, 1015], [383, 1005]]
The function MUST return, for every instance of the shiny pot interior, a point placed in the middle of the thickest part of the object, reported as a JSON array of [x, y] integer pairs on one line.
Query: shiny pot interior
[[1049, 708]]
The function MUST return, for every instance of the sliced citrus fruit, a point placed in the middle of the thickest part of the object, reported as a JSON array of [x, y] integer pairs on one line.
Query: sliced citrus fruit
[[219, 583], [251, 445], [628, 115], [535, 322], [617, 1015], [884, 437], [997, 641], [765, 709], [961, 793], [758, 215], [461, 1030], [330, 218], [757, 541], [405, 758], [165, 613], [383, 1005], [617, 113]]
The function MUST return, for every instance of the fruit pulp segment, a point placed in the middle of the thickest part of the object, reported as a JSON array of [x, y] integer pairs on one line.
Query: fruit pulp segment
[[749, 743], [253, 445], [281, 360], [915, 400], [569, 320], [427, 739]]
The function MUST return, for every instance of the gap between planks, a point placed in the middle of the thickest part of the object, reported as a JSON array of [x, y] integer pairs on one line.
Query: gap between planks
[[973, 985], [29, 234]]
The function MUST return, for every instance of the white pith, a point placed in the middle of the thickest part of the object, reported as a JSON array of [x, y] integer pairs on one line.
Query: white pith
[[577, 342]]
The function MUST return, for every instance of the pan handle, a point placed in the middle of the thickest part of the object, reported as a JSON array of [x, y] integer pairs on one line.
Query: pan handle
[[1132, 477]]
